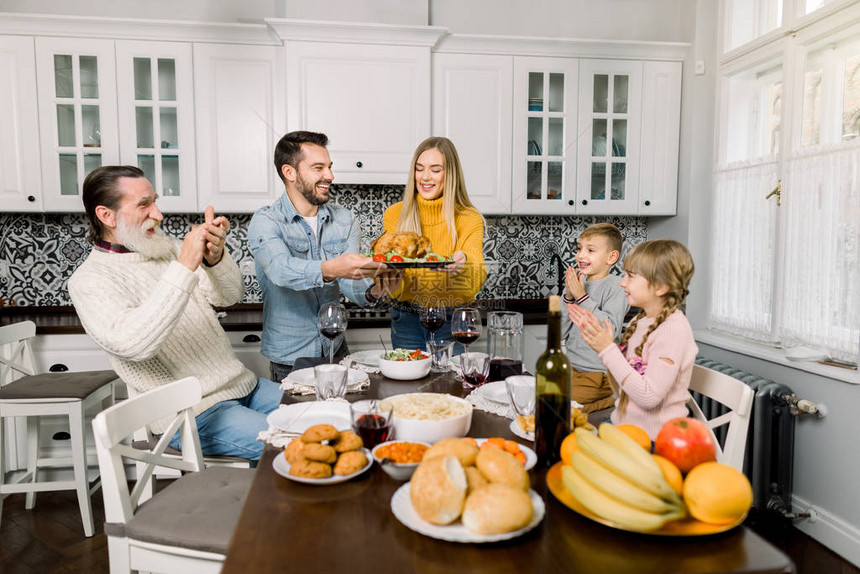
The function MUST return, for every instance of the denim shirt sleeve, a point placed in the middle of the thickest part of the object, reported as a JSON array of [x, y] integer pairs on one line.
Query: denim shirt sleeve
[[275, 255], [354, 289]]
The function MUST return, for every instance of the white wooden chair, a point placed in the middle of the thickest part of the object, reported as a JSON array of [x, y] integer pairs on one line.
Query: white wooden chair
[[734, 395], [187, 526], [23, 393]]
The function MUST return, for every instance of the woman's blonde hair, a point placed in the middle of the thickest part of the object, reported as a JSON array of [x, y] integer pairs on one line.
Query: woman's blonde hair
[[660, 262], [454, 196]]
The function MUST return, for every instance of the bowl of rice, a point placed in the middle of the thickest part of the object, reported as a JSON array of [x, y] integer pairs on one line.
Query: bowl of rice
[[429, 417]]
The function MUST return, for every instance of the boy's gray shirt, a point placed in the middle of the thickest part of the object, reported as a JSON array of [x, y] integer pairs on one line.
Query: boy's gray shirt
[[607, 300]]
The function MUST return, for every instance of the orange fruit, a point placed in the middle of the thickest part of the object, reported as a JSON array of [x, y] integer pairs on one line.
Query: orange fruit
[[670, 473], [568, 445], [717, 493], [636, 433]]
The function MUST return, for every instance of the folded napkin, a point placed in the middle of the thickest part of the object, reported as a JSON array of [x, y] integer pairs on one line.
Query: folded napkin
[[279, 438], [295, 388], [350, 364], [482, 403]]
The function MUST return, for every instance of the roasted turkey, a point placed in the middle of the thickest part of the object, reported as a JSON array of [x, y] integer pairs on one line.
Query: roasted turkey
[[406, 244]]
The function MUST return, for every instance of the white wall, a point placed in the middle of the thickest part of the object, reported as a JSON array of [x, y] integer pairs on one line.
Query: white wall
[[657, 20], [196, 10]]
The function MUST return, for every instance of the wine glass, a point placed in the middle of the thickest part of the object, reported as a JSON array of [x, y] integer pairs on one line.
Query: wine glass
[[331, 321], [432, 319], [466, 326]]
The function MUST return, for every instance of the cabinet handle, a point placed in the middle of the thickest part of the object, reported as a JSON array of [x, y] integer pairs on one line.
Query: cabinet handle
[[31, 198], [647, 203], [570, 202], [359, 164], [584, 202], [58, 368], [251, 338]]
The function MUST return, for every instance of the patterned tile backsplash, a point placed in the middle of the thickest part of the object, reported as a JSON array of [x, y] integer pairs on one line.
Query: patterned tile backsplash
[[39, 252]]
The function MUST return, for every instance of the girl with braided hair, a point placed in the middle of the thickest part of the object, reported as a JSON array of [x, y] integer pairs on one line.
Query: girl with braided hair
[[650, 367]]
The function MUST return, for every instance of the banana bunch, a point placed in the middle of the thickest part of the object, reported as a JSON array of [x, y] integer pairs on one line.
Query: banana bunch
[[616, 479]]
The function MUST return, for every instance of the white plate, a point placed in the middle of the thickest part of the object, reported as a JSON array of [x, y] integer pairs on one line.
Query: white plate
[[282, 467], [297, 417], [518, 430], [401, 506], [495, 392], [369, 358], [306, 378], [531, 457]]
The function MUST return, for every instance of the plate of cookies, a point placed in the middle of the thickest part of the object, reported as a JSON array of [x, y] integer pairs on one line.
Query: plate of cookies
[[323, 455]]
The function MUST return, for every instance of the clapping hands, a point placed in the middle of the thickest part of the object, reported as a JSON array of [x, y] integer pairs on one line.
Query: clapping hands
[[597, 335]]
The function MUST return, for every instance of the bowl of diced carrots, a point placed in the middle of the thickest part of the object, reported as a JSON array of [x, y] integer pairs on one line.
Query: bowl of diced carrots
[[399, 458], [522, 453]]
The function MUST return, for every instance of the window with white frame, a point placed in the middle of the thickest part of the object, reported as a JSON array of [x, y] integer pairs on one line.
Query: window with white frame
[[786, 265]]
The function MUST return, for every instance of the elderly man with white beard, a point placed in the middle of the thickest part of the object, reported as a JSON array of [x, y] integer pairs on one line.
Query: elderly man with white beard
[[147, 300]]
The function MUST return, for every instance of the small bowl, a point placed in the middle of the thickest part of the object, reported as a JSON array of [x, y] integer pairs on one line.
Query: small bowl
[[433, 430], [396, 470], [404, 370]]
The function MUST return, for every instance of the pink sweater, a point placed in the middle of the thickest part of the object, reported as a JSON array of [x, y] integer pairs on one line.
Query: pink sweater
[[661, 393]]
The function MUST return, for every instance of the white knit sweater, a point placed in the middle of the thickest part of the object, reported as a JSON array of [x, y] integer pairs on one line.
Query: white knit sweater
[[155, 320]]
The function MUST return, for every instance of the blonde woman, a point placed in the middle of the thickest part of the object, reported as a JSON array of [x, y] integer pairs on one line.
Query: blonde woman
[[652, 364], [435, 204]]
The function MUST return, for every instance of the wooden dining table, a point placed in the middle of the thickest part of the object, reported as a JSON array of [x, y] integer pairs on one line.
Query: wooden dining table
[[349, 528]]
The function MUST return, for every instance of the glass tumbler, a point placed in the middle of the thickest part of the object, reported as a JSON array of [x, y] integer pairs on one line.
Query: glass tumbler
[[330, 381]]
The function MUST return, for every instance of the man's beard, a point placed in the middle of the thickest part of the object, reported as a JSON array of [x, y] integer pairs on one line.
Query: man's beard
[[308, 191], [154, 245]]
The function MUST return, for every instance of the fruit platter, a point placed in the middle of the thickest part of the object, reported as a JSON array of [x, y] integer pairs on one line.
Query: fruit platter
[[612, 478]]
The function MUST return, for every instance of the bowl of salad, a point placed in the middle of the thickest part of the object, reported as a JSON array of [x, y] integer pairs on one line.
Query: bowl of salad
[[405, 364]]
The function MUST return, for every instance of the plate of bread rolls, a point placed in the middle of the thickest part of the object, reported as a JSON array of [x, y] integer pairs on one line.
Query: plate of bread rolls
[[461, 493]]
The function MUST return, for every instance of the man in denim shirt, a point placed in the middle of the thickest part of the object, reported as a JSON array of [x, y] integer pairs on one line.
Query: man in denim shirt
[[306, 255]]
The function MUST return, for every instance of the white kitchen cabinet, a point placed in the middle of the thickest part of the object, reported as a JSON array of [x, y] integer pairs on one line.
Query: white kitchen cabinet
[[473, 107], [78, 115], [372, 101], [544, 135], [610, 119], [629, 132], [20, 180], [661, 123], [156, 118], [239, 110]]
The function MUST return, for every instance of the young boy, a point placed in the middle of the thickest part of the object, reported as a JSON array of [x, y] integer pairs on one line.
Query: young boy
[[592, 287]]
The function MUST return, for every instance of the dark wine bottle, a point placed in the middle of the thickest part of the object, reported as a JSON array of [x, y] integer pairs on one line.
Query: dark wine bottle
[[553, 376]]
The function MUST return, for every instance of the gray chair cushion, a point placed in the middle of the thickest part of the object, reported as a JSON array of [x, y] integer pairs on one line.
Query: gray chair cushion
[[72, 386], [198, 511]]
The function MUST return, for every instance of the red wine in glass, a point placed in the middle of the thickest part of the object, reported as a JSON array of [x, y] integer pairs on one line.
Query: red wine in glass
[[331, 333], [373, 429], [500, 369], [331, 321], [465, 337], [474, 379], [432, 323]]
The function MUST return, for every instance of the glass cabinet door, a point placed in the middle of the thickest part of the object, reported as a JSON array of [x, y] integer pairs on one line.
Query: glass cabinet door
[[544, 135], [156, 118], [609, 122], [78, 108]]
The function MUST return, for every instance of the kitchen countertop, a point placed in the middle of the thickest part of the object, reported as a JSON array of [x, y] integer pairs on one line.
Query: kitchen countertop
[[62, 320]]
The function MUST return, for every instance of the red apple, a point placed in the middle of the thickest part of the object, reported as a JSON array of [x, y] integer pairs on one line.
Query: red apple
[[686, 442]]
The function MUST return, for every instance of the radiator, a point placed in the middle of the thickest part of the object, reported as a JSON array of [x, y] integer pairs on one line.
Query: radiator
[[769, 454]]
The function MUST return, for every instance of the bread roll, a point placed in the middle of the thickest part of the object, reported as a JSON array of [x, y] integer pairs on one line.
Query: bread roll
[[501, 467], [438, 490], [464, 449], [497, 508], [475, 479]]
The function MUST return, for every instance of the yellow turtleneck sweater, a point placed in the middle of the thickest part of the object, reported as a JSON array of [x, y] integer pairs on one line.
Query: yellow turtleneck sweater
[[426, 286]]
